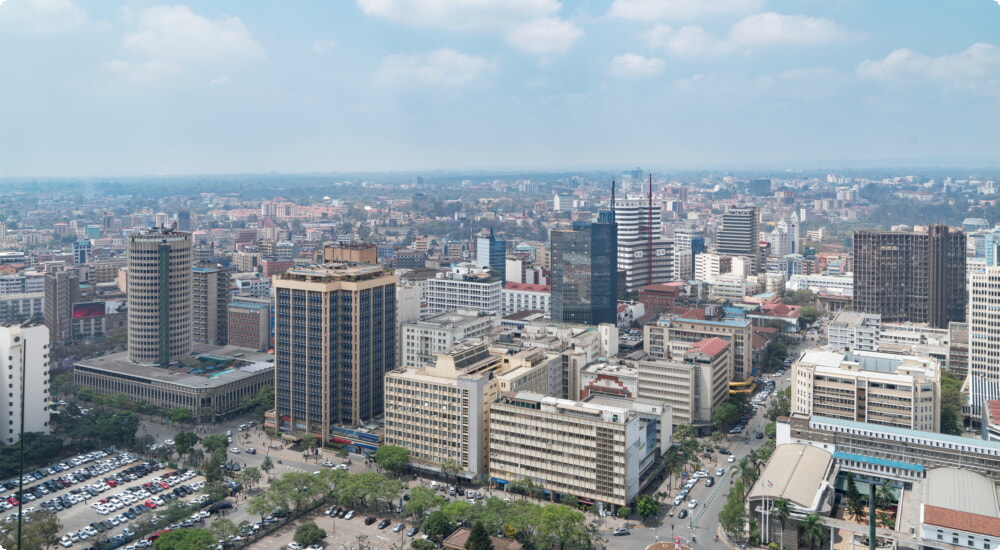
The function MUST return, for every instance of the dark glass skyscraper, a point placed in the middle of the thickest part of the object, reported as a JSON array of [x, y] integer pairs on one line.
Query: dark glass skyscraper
[[492, 252], [585, 272]]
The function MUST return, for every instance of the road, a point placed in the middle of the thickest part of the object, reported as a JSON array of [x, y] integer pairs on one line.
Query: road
[[698, 530]]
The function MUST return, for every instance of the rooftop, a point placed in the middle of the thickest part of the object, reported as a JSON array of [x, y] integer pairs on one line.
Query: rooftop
[[709, 346], [213, 366], [916, 435], [795, 472], [961, 521], [978, 494]]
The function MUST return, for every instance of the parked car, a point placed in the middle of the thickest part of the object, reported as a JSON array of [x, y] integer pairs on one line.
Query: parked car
[[621, 531], [383, 524], [370, 520]]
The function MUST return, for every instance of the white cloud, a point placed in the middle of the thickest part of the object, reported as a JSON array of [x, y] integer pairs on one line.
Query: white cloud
[[219, 81], [775, 28], [646, 10], [545, 36], [762, 29], [43, 16], [323, 46], [980, 61], [632, 64], [444, 67], [461, 14], [170, 37]]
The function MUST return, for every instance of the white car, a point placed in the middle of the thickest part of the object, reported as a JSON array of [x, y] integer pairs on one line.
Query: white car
[[235, 450], [732, 458], [693, 504], [294, 546]]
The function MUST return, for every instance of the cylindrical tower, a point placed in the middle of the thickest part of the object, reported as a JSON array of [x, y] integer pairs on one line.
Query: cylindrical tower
[[159, 296]]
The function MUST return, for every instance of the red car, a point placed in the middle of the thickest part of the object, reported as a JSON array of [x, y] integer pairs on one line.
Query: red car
[[150, 504], [111, 483], [13, 501]]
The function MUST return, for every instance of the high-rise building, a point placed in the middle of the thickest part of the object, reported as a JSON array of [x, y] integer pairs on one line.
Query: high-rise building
[[643, 252], [82, 252], [983, 334], [159, 296], [25, 351], [62, 290], [492, 253], [335, 339], [466, 287], [740, 234], [183, 218], [908, 276], [585, 271], [250, 325], [209, 303]]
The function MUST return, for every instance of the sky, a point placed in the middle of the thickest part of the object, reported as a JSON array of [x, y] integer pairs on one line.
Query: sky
[[128, 87]]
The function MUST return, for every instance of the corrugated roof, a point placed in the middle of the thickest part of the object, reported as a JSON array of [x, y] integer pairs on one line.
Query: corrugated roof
[[903, 432], [961, 490], [961, 521]]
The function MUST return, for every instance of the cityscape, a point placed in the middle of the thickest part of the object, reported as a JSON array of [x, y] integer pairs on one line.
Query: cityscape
[[346, 276]]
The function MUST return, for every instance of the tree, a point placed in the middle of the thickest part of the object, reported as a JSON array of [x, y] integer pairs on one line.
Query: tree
[[42, 532], [852, 498], [684, 431], [571, 501], [479, 539], [782, 405], [624, 512], [812, 529], [184, 441], [562, 528], [732, 518], [808, 315], [392, 457], [450, 468], [421, 544], [436, 525], [646, 506], [259, 506], [185, 539], [884, 495], [223, 528], [951, 404], [309, 442], [781, 509], [421, 500], [180, 415], [725, 416], [309, 533], [885, 520], [215, 442], [267, 465], [249, 477]]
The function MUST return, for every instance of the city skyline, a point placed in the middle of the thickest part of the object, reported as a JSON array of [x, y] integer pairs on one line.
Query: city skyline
[[117, 89]]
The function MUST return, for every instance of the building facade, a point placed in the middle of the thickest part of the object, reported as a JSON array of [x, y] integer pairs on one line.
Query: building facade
[[908, 276], [584, 274], [865, 386], [62, 290], [25, 351], [740, 234], [854, 331], [423, 340], [335, 339], [159, 296], [210, 305], [517, 297], [643, 252], [249, 325], [465, 287]]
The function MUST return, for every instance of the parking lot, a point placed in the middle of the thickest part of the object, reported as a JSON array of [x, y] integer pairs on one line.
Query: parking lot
[[99, 495]]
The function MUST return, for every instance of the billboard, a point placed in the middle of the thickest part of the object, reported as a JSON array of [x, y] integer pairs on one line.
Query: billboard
[[90, 309]]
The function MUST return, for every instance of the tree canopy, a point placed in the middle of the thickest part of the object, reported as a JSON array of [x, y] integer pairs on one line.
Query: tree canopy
[[392, 457]]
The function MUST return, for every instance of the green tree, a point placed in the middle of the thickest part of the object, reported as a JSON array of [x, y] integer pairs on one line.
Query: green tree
[[479, 539], [571, 501], [421, 544], [41, 532], [309, 533], [249, 477], [180, 415], [884, 495], [812, 530], [782, 405], [392, 457], [450, 468], [646, 506], [184, 442], [223, 528], [624, 512], [259, 506], [421, 500], [436, 525], [781, 509], [309, 441], [726, 415], [684, 431], [215, 442], [185, 539], [951, 404], [732, 518], [267, 465], [852, 497], [808, 315], [885, 520], [800, 298], [562, 528]]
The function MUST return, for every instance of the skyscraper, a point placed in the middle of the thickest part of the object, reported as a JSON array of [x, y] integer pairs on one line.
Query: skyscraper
[[210, 304], [183, 218], [740, 234], [62, 290], [82, 251], [335, 339], [641, 245], [585, 271], [984, 333], [907, 276], [159, 296], [492, 252]]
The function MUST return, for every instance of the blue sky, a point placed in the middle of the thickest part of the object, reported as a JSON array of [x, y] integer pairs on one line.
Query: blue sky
[[143, 88]]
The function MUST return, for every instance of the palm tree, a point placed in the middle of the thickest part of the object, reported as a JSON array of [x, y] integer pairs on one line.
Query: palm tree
[[885, 495], [782, 509], [885, 520], [812, 529]]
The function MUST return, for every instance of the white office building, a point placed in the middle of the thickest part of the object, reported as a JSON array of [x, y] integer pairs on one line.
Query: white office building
[[24, 357]]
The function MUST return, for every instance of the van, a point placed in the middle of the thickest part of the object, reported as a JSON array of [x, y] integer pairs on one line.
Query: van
[[434, 484], [243, 427]]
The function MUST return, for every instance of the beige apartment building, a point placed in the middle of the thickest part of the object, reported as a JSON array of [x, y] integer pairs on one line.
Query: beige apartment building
[[693, 385], [672, 336], [440, 412], [596, 450], [867, 386]]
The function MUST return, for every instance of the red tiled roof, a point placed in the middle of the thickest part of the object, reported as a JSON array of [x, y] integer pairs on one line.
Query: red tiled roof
[[757, 341], [696, 313], [994, 410], [780, 310], [961, 521], [528, 287], [709, 346]]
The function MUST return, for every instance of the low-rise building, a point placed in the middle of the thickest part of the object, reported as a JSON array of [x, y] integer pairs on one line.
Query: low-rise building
[[465, 287], [866, 386], [423, 340], [693, 385], [853, 330], [249, 324], [525, 297]]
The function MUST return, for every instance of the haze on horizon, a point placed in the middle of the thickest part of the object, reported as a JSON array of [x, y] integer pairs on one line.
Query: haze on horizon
[[122, 88]]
